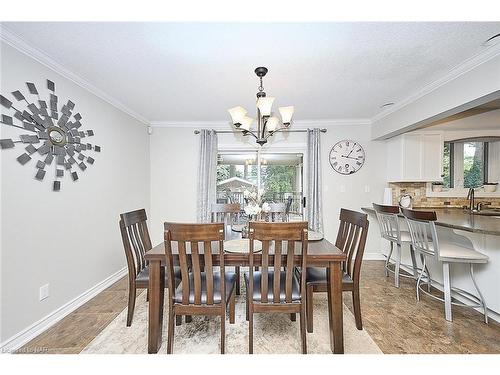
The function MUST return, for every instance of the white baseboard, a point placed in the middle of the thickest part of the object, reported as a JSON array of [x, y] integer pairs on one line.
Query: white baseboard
[[29, 333], [373, 256]]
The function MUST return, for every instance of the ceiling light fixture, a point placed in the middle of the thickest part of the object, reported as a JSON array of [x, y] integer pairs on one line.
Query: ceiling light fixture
[[267, 124], [488, 42], [387, 105]]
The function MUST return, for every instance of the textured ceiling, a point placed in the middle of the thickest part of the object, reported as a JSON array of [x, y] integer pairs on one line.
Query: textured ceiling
[[195, 71]]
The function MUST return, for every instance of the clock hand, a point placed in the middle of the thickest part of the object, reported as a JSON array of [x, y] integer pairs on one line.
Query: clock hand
[[352, 149]]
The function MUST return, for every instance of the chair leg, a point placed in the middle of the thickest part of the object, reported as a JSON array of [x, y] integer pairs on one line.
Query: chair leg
[[178, 320], [147, 295], [293, 317], [309, 308], [171, 327], [189, 318], [413, 262], [357, 307], [388, 259], [237, 271], [483, 302], [131, 304], [250, 331], [447, 291], [397, 266], [232, 307], [420, 277], [303, 338], [247, 307], [223, 334]]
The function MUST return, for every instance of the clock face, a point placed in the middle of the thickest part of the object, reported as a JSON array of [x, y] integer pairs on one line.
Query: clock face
[[347, 157]]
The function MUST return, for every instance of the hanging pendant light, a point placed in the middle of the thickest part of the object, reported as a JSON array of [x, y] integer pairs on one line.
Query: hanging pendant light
[[267, 124]]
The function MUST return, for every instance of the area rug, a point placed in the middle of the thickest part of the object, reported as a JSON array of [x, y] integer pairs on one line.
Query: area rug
[[273, 333]]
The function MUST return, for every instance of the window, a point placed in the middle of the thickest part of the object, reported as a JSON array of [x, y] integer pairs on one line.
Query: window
[[465, 164], [475, 155], [277, 175]]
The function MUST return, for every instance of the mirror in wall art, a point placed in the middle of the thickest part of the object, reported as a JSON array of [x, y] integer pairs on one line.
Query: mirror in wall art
[[54, 133]]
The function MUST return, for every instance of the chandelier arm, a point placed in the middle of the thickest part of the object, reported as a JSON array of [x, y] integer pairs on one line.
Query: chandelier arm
[[248, 132]]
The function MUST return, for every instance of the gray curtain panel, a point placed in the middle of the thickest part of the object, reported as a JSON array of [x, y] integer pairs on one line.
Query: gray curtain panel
[[207, 174], [314, 203]]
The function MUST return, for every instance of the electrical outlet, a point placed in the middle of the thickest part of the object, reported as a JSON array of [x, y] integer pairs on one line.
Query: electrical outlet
[[342, 188], [367, 188], [44, 292]]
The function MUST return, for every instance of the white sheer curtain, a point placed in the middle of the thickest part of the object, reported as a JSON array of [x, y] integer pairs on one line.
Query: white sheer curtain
[[207, 174], [314, 203]]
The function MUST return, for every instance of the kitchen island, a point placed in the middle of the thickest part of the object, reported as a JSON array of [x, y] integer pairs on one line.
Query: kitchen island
[[480, 232]]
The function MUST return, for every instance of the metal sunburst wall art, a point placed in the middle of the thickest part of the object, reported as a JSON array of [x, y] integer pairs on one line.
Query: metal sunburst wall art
[[55, 135]]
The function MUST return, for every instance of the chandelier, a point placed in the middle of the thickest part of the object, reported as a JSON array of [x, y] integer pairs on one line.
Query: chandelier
[[267, 124]]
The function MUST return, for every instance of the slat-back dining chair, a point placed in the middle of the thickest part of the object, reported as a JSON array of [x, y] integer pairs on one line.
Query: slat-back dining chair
[[425, 241], [136, 242], [277, 212], [273, 290], [229, 214], [200, 292], [351, 239], [390, 229]]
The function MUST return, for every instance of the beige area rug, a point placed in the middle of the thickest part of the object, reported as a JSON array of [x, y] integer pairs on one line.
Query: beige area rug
[[273, 333]]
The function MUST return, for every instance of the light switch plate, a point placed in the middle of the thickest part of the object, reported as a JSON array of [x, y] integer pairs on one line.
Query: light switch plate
[[342, 188], [367, 188], [44, 292]]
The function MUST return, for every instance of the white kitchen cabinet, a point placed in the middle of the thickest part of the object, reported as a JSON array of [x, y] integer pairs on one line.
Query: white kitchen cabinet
[[415, 157]]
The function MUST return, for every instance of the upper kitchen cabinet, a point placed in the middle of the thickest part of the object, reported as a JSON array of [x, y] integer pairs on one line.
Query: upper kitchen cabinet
[[415, 157]]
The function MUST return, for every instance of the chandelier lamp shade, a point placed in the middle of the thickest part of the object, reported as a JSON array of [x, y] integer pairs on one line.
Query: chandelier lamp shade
[[267, 123]]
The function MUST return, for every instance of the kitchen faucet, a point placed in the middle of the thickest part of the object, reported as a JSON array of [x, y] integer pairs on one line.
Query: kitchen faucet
[[470, 197]]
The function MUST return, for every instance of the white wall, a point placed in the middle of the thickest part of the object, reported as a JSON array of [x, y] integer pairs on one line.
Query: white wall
[[174, 164], [70, 238]]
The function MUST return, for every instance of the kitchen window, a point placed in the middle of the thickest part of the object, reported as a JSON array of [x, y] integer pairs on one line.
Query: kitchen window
[[468, 164]]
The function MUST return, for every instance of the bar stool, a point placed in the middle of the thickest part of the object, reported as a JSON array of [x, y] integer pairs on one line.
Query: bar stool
[[388, 222], [425, 241]]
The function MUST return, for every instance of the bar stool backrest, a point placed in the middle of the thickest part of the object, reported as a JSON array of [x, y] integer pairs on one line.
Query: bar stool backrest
[[422, 231], [388, 222]]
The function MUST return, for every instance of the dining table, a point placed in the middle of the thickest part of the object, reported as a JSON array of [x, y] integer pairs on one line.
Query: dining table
[[320, 253]]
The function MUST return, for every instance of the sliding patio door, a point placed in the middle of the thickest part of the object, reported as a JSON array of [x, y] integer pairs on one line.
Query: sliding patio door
[[279, 175]]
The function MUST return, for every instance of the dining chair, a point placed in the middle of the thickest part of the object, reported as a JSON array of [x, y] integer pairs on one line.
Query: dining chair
[[229, 214], [425, 241], [136, 242], [273, 290], [390, 229], [276, 213], [351, 239], [200, 292]]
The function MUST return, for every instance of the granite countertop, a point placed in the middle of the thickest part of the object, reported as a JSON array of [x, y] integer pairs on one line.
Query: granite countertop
[[458, 218]]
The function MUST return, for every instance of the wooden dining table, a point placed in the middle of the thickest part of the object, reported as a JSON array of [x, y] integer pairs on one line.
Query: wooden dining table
[[320, 254]]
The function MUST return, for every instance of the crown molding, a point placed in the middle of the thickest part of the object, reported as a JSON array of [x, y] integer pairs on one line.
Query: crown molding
[[460, 69], [219, 125], [18, 43]]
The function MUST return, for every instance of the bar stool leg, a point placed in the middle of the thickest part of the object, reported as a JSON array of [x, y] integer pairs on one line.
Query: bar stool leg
[[397, 266], [420, 276], [388, 259], [447, 291], [413, 262], [483, 302]]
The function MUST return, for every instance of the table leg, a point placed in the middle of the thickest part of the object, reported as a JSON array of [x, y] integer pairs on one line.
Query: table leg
[[156, 297], [335, 307]]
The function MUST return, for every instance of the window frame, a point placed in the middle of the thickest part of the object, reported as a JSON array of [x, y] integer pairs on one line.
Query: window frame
[[456, 188]]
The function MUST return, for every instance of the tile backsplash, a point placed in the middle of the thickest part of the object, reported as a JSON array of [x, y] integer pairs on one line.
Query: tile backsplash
[[417, 191]]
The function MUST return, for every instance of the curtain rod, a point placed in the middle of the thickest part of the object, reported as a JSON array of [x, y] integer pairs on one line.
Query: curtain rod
[[283, 131]]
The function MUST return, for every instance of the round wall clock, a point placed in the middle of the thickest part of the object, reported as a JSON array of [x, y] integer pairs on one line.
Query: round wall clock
[[54, 134], [347, 157]]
